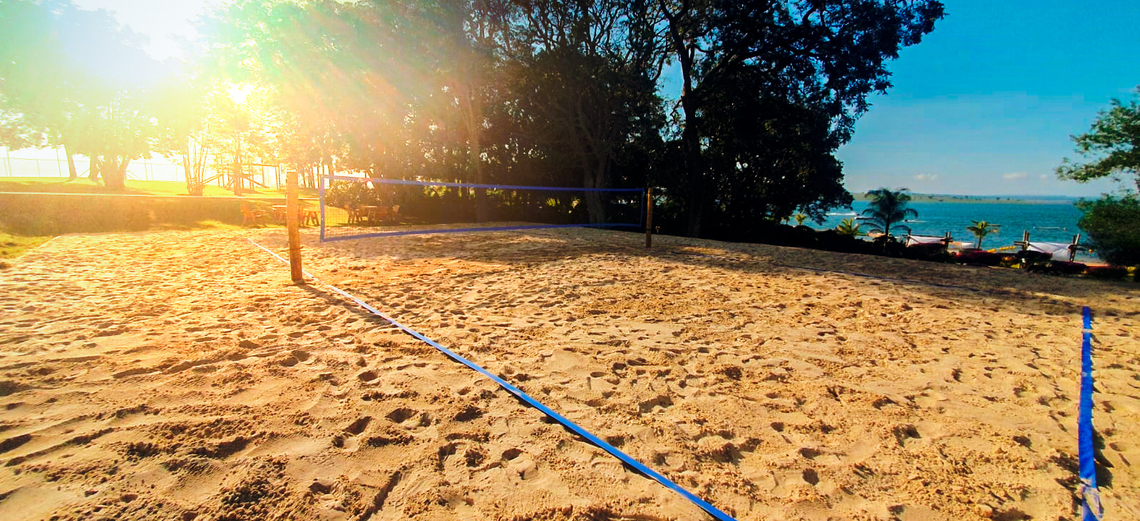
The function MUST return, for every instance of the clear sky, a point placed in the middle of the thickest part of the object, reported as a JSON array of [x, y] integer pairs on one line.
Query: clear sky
[[984, 105], [987, 102]]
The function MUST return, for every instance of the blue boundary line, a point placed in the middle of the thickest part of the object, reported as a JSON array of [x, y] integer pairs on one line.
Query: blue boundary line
[[518, 393], [1091, 507], [472, 185]]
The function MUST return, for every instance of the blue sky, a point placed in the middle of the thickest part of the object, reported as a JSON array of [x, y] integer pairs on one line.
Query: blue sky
[[987, 102]]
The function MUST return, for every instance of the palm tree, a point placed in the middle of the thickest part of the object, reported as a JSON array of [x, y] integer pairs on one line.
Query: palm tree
[[848, 227], [981, 229], [800, 218], [888, 208]]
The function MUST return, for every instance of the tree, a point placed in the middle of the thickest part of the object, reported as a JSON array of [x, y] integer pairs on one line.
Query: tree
[[829, 55], [1112, 145], [768, 157], [981, 229], [76, 79], [888, 208], [848, 227], [180, 108], [1113, 228]]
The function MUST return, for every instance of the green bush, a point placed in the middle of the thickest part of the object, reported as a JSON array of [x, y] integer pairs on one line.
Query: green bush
[[1113, 228]]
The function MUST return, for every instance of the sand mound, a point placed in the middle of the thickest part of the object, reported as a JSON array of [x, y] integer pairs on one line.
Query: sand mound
[[179, 376]]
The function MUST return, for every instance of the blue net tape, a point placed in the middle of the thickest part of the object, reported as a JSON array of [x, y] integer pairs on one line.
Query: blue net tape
[[1090, 504], [471, 185], [428, 231], [326, 236], [518, 393]]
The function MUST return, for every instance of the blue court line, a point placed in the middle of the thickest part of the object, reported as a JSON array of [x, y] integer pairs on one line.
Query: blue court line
[[1090, 495], [471, 185], [431, 231], [707, 507]]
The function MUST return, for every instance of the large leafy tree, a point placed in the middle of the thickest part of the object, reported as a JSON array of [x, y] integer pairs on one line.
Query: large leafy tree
[[767, 156], [1112, 145], [77, 79], [583, 77], [831, 53], [1112, 148]]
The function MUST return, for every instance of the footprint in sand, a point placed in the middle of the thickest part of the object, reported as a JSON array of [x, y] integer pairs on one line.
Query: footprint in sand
[[659, 401], [469, 413], [358, 426]]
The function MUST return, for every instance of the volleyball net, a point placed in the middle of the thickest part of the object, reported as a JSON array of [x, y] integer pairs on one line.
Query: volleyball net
[[361, 207]]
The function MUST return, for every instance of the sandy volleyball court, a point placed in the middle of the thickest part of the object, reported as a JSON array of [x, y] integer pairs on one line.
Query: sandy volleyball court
[[180, 376]]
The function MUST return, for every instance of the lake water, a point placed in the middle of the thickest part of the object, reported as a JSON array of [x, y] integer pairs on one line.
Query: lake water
[[1046, 221]]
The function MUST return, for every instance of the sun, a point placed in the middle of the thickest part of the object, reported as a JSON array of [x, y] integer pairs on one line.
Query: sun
[[239, 93]]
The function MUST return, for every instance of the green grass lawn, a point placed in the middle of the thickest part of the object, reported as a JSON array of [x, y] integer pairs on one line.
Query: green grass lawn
[[12, 246], [158, 188]]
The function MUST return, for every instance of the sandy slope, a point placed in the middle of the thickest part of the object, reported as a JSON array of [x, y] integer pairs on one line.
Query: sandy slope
[[179, 376]]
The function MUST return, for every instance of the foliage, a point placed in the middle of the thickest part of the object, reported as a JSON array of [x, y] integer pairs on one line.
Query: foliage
[[12, 246], [1113, 227], [981, 229], [1058, 268], [826, 57], [1107, 272], [888, 208], [74, 78], [347, 194], [1112, 145], [848, 227]]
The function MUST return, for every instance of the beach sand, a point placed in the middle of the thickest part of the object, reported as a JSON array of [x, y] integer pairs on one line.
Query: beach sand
[[179, 375]]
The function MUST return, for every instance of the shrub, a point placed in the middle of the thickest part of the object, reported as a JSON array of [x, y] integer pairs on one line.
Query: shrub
[[1058, 268], [935, 252], [979, 257], [1107, 272], [1113, 228]]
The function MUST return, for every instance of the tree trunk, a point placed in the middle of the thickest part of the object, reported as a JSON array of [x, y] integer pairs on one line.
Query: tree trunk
[[595, 204], [694, 168], [194, 180], [690, 137], [115, 173], [72, 174], [482, 208], [238, 184], [93, 169]]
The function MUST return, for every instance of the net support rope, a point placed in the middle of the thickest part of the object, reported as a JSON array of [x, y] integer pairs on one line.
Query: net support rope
[[518, 393], [1090, 495], [324, 237]]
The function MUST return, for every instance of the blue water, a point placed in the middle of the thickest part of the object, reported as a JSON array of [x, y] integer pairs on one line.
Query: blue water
[[1046, 221]]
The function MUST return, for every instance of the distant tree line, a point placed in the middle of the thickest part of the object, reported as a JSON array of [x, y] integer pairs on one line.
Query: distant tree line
[[527, 92]]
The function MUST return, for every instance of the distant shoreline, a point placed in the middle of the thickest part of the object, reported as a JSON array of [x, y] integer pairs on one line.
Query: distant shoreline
[[983, 199]]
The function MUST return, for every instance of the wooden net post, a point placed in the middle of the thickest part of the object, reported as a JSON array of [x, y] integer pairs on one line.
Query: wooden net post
[[292, 208], [649, 217]]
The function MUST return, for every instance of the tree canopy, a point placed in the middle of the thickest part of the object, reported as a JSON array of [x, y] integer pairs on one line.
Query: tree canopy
[[527, 92], [1111, 146]]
